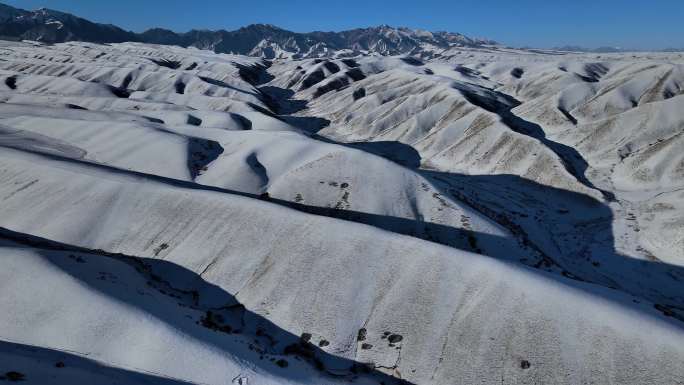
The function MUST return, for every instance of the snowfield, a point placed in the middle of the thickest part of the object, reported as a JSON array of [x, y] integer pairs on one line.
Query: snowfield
[[485, 215]]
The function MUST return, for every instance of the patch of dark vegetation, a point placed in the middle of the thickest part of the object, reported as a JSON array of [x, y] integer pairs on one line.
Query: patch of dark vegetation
[[282, 363], [361, 335], [215, 322], [517, 72], [343, 203], [11, 82], [365, 368], [305, 350], [77, 258], [359, 93], [394, 338], [105, 276], [665, 310], [13, 376], [160, 248], [572, 276], [172, 64]]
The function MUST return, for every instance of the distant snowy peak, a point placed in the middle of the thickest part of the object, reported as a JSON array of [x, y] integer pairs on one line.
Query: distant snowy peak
[[383, 40], [262, 40], [50, 26], [576, 48], [388, 40], [268, 41]]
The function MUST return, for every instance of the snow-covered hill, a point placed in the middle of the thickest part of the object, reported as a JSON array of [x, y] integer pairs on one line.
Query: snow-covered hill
[[172, 215]]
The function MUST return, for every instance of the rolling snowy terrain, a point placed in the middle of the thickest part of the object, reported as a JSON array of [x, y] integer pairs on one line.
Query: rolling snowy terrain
[[460, 214]]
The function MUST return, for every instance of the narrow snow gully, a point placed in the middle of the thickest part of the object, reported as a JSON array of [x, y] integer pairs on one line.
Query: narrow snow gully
[[572, 160]]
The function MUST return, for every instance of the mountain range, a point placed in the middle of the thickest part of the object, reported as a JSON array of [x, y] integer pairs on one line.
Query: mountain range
[[263, 40], [578, 48]]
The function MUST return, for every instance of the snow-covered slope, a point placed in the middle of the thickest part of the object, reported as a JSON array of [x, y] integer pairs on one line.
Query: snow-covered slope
[[516, 127], [172, 215], [331, 282]]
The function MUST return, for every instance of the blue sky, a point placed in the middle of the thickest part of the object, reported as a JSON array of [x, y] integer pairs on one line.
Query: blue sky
[[644, 24]]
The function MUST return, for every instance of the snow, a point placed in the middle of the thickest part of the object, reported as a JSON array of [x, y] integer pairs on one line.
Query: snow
[[513, 216]]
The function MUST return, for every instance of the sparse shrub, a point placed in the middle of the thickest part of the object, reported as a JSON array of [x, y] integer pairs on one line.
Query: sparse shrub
[[282, 363]]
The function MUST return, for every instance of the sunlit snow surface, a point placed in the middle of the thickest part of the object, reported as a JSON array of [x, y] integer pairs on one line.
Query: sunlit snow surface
[[492, 216]]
